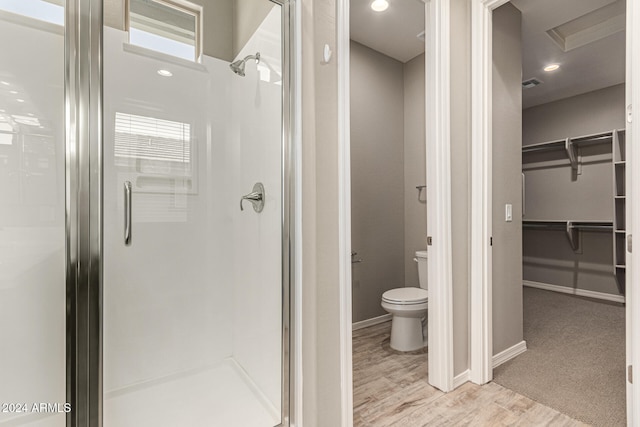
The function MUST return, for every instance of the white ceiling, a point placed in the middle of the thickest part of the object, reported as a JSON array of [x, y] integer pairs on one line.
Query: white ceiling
[[584, 69], [392, 32]]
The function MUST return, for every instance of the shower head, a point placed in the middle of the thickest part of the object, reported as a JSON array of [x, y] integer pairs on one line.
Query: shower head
[[238, 66]]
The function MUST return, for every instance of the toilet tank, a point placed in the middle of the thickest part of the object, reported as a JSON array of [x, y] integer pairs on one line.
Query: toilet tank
[[421, 259]]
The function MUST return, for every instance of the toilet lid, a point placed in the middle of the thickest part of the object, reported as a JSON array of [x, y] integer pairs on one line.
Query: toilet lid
[[406, 295]]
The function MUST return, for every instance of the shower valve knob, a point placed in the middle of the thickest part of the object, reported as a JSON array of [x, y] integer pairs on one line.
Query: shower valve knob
[[256, 197]]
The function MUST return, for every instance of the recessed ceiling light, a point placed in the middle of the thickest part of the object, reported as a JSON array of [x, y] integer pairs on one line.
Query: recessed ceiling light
[[30, 114], [13, 92], [551, 67], [5, 83], [379, 5], [165, 73], [20, 100]]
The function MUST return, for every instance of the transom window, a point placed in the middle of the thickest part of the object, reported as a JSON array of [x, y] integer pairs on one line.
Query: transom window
[[43, 10], [169, 26]]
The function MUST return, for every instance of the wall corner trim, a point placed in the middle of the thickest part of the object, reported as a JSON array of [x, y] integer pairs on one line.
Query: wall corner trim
[[510, 353]]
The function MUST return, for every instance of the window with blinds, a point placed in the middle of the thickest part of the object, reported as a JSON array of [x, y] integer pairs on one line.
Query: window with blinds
[[153, 146]]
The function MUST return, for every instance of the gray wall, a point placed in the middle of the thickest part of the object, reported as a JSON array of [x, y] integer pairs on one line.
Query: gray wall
[[388, 160], [552, 192], [507, 169], [247, 17], [322, 390], [460, 184], [218, 24], [377, 178], [415, 212], [584, 114], [114, 11]]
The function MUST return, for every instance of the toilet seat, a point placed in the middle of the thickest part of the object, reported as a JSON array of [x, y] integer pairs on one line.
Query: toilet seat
[[406, 296]]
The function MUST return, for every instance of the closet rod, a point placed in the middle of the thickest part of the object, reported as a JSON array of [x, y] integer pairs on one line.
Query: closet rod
[[559, 225], [595, 225], [600, 138], [571, 228], [544, 146], [596, 139]]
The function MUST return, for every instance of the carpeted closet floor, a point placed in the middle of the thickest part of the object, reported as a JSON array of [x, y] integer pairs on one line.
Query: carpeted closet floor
[[575, 358]]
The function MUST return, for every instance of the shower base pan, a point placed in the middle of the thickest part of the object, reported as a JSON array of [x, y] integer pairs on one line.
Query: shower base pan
[[220, 396]]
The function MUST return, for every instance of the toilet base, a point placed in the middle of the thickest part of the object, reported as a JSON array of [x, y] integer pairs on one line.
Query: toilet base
[[406, 334]]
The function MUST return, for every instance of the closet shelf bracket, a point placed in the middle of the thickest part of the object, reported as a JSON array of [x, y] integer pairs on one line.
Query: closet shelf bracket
[[573, 235], [420, 188], [570, 148]]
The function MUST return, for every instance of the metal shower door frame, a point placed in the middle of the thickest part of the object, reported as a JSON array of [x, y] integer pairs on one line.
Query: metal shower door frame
[[84, 209], [83, 205]]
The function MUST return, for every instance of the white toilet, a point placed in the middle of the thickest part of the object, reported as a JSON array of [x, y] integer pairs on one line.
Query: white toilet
[[409, 308]]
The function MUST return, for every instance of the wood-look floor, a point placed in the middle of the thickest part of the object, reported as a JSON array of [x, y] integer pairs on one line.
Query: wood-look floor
[[391, 389]]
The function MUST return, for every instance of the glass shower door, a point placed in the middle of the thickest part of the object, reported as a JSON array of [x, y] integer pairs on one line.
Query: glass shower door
[[193, 284], [32, 214]]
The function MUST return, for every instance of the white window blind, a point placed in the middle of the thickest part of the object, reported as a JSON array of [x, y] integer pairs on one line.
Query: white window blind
[[156, 142]]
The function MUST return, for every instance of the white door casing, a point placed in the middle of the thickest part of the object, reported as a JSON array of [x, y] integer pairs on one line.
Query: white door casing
[[481, 213], [438, 123], [633, 207]]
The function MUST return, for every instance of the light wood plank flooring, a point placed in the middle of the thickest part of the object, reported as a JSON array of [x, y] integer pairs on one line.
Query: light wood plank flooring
[[391, 389]]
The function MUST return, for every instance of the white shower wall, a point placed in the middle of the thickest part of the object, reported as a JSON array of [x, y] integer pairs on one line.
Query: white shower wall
[[257, 149]]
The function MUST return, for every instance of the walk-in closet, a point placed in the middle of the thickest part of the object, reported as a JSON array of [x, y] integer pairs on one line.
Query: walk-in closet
[[570, 154]]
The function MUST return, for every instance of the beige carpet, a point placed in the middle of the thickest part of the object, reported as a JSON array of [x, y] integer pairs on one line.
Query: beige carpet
[[575, 361]]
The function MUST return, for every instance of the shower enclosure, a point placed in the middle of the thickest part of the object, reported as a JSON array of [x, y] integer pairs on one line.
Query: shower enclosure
[[134, 290]]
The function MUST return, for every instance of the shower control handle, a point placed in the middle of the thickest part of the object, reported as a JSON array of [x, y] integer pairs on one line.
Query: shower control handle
[[127, 213], [256, 197]]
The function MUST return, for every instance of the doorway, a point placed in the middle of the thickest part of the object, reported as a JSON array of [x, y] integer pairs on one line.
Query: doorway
[[388, 197], [482, 349]]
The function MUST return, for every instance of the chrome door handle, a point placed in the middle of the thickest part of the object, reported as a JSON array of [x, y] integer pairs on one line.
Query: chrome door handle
[[256, 197], [127, 213]]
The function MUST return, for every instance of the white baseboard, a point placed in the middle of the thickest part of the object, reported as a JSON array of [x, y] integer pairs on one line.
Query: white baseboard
[[371, 322], [574, 291], [461, 378], [510, 353]]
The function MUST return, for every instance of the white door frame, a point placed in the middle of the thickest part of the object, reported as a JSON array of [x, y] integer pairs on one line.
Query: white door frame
[[481, 345], [481, 213], [633, 207], [344, 207], [438, 179]]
